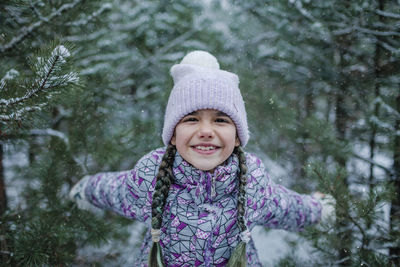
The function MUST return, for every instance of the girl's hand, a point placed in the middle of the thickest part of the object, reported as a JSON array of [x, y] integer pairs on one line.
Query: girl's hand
[[328, 204], [77, 194]]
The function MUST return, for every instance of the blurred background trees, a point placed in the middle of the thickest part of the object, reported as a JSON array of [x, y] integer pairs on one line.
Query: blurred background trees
[[84, 86]]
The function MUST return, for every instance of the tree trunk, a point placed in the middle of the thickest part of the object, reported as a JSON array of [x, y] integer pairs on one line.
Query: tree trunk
[[344, 233], [342, 224], [372, 140], [3, 196], [395, 207], [4, 256]]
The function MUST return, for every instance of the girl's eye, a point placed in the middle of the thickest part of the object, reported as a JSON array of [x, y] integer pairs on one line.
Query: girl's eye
[[222, 120], [189, 119]]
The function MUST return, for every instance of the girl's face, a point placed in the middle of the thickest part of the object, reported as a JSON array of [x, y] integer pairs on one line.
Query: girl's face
[[205, 138]]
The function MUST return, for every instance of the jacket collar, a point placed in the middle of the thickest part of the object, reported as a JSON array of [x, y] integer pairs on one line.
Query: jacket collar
[[203, 186]]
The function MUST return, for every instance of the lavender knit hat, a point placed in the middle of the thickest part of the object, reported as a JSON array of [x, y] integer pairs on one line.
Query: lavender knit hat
[[199, 83]]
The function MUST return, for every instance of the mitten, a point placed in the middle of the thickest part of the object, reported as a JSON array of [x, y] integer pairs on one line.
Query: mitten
[[328, 204], [77, 194]]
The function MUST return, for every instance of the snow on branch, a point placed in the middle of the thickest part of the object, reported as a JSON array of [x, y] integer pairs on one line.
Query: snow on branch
[[389, 109], [302, 10], [46, 69], [382, 125], [51, 132], [388, 47], [377, 33], [10, 75], [387, 170], [349, 29], [37, 12], [104, 7], [17, 115], [175, 42], [25, 31], [387, 14], [48, 73], [152, 59]]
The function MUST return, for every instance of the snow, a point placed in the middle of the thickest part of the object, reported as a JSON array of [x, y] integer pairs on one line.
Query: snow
[[273, 245], [274, 239], [104, 7], [10, 75], [15, 157], [61, 51], [387, 108], [26, 30], [387, 14], [127, 252], [51, 132], [45, 70], [381, 124], [16, 115]]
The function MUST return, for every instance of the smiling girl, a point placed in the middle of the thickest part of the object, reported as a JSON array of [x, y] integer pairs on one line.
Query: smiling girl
[[201, 194]]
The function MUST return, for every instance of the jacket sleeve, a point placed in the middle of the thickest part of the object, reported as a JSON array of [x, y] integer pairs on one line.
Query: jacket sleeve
[[275, 206], [128, 193]]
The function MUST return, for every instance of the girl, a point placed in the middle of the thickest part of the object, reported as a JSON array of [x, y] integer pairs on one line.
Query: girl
[[201, 194]]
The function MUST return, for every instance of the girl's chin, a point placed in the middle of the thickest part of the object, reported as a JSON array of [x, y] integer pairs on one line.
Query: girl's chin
[[205, 167]]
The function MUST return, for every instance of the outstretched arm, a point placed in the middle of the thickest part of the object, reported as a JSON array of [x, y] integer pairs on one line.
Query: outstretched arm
[[128, 193], [275, 206]]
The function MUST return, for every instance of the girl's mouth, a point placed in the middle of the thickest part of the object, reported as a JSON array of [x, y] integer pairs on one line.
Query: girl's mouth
[[205, 149]]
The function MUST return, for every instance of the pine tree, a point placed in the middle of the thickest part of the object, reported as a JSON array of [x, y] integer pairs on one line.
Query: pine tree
[[329, 58], [122, 51], [41, 227]]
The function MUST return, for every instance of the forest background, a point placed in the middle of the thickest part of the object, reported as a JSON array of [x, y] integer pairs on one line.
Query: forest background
[[84, 86]]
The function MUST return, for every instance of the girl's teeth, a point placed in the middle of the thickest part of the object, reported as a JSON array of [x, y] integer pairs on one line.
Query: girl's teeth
[[204, 147]]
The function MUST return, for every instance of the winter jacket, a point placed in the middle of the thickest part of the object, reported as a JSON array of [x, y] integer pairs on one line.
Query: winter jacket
[[199, 225]]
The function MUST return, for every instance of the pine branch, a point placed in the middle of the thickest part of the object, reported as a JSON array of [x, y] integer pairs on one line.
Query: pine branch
[[172, 43], [387, 14], [11, 74], [17, 115], [25, 31], [376, 32], [52, 64], [50, 78], [37, 11], [344, 207], [61, 136], [103, 8], [51, 132]]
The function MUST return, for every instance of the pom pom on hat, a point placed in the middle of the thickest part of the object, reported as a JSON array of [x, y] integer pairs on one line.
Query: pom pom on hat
[[199, 83], [202, 59]]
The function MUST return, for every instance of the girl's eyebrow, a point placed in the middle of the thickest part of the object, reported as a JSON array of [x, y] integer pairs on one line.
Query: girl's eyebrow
[[220, 113], [192, 113]]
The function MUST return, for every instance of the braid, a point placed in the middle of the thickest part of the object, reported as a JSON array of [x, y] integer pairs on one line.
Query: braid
[[238, 257], [164, 178], [242, 188]]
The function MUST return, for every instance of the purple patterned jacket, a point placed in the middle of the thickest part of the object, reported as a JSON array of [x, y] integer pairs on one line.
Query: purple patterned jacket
[[199, 221]]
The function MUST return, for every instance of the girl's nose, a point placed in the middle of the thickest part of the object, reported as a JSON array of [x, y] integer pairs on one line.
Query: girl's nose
[[206, 131]]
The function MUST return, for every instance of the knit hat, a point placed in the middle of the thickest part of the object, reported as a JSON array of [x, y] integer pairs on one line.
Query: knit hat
[[199, 83]]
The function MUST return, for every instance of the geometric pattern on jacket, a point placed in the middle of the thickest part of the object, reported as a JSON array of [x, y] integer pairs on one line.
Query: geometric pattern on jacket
[[199, 226]]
